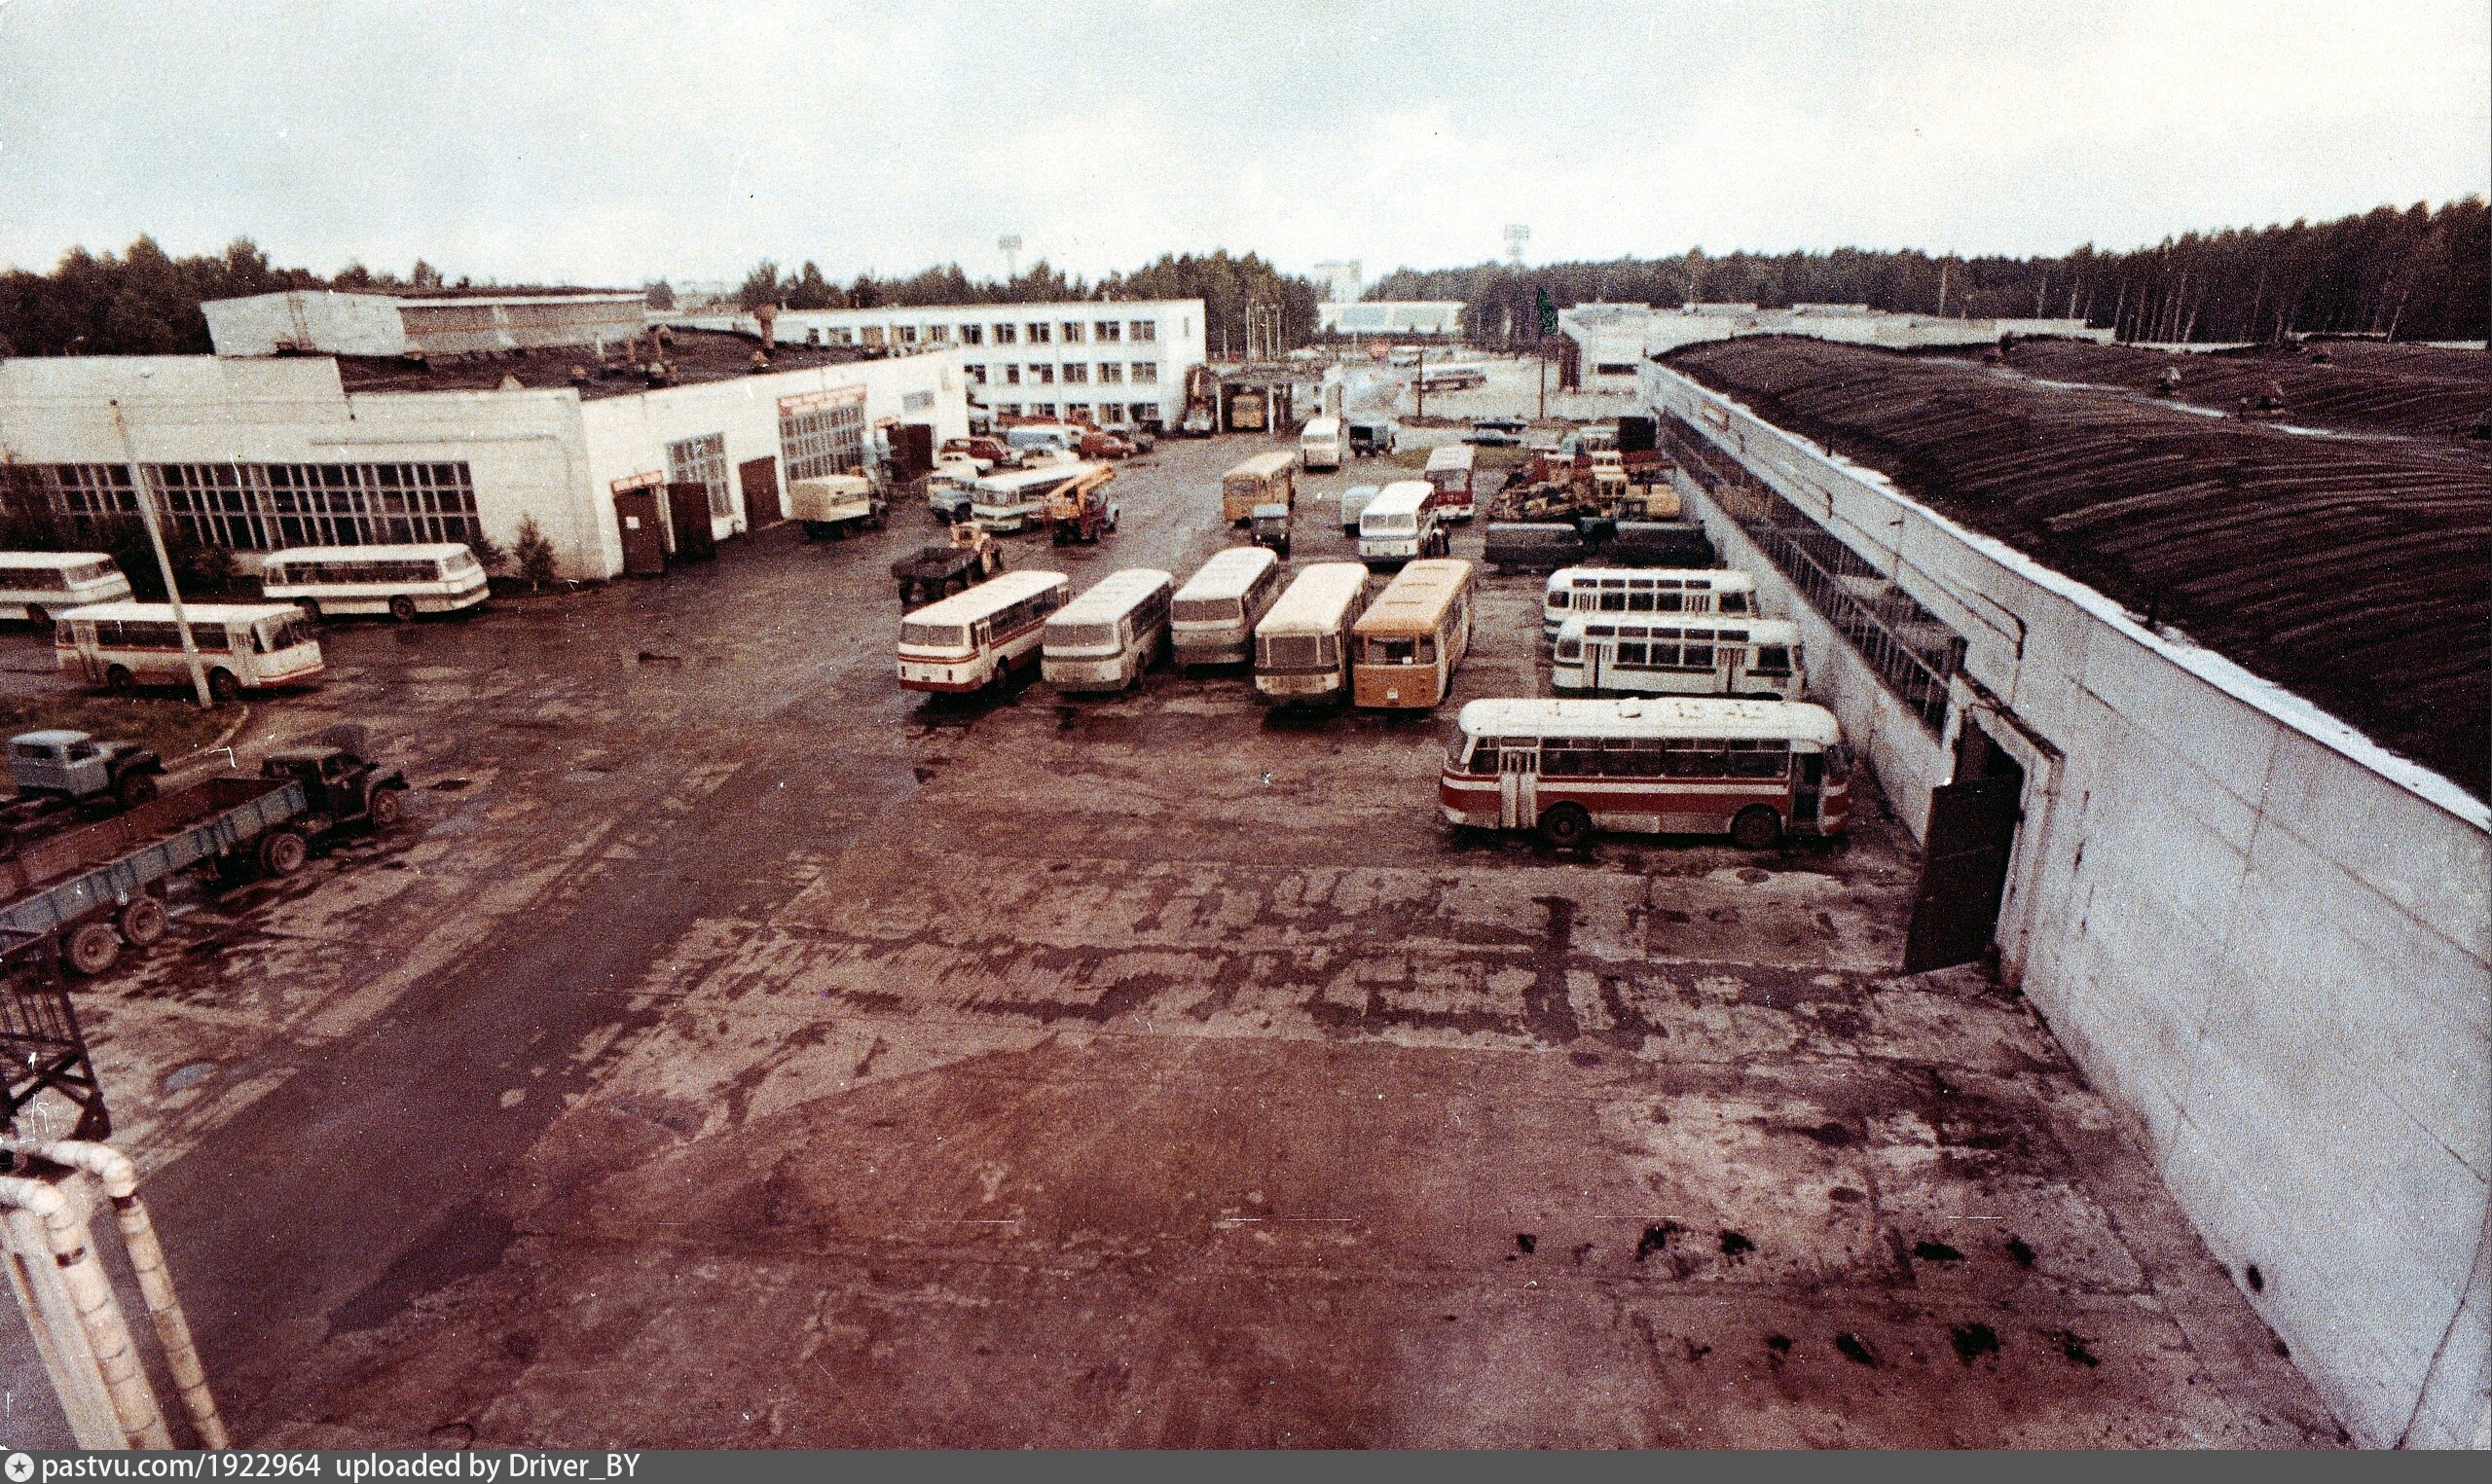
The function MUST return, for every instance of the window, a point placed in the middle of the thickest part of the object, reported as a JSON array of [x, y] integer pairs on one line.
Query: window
[[1734, 603], [1111, 412], [1143, 330], [813, 335], [975, 374], [1037, 332], [1111, 372], [1076, 372], [940, 335], [1145, 373], [1630, 656], [259, 507], [1569, 758], [1043, 374], [1007, 408], [908, 335], [1614, 368], [972, 334], [1042, 409], [825, 441], [1004, 335], [1631, 757], [1142, 412], [1760, 759], [1107, 332], [1770, 660], [1073, 332], [1080, 411], [703, 461], [873, 335]]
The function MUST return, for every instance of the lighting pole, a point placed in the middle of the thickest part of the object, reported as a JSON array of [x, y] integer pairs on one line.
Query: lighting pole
[[146, 498]]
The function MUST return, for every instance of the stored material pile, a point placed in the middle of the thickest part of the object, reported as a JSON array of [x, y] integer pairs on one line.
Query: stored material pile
[[2350, 570], [2354, 386]]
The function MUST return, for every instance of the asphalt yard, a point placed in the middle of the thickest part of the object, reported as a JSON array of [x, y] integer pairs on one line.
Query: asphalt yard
[[737, 1049]]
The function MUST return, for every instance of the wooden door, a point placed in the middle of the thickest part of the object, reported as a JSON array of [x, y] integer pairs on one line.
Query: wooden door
[[636, 515], [688, 503], [759, 479]]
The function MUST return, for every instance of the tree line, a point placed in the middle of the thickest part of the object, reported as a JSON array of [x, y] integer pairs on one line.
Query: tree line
[[2416, 274]]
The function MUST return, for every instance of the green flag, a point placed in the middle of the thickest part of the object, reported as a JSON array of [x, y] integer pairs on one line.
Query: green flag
[[1547, 312]]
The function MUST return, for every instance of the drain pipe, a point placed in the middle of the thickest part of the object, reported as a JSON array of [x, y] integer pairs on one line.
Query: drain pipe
[[90, 1293], [113, 1170]]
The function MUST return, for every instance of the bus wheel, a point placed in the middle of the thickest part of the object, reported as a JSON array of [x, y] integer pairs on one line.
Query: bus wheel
[[94, 947], [223, 688], [1757, 828], [39, 619], [1566, 826], [282, 852], [403, 608], [119, 681], [143, 922]]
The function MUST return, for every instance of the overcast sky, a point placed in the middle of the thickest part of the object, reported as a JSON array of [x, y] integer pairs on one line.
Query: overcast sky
[[609, 143]]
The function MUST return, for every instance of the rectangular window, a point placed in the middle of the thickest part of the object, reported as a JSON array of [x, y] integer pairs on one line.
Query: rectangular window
[[1077, 411], [1145, 373], [1045, 376], [1077, 373], [1037, 332], [1073, 332], [703, 461], [972, 334], [1108, 332], [1012, 374], [823, 442], [975, 374], [1143, 330], [1043, 409], [873, 335], [1630, 656], [1111, 412], [1004, 335], [1770, 660], [908, 335], [1142, 412], [940, 335], [1007, 408], [1110, 372], [260, 507]]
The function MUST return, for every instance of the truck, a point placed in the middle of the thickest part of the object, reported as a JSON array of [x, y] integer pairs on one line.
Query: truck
[[970, 556], [100, 886], [1545, 546], [1079, 510], [831, 506], [61, 776], [1270, 528]]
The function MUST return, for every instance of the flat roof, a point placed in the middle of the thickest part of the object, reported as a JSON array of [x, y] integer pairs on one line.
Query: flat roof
[[697, 356], [1636, 716], [2347, 568], [1112, 595]]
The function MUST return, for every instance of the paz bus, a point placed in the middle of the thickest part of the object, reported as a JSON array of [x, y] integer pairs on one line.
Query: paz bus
[[1215, 613], [974, 640], [243, 646], [1321, 444], [1400, 524], [1267, 478], [1678, 654], [1302, 646], [401, 581], [1757, 770], [1576, 590], [1406, 645], [1449, 475], [36, 585], [1105, 638]]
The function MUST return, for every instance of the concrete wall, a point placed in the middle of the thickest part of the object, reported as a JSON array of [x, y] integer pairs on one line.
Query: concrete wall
[[306, 319], [2265, 935]]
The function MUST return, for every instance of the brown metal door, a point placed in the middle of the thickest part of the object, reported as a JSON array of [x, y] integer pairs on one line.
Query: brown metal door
[[687, 505], [1963, 874], [760, 478], [912, 451], [636, 515]]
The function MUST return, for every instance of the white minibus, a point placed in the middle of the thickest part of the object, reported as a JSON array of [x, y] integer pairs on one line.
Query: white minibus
[[243, 646], [1321, 444], [36, 586], [401, 581], [1105, 638], [975, 639], [1401, 526], [1215, 613], [1678, 654], [1302, 646], [1574, 590]]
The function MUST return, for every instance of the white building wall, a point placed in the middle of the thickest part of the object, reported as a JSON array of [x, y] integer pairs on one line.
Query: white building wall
[[302, 319], [2267, 936]]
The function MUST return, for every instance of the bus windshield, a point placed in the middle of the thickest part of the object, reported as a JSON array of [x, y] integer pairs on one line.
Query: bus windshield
[[935, 635], [283, 632], [1391, 525], [1081, 636]]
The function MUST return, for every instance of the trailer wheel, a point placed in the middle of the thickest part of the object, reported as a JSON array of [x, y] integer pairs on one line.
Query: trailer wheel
[[403, 608], [119, 681], [94, 947], [284, 852], [388, 807], [134, 789], [222, 687], [1756, 828], [144, 923]]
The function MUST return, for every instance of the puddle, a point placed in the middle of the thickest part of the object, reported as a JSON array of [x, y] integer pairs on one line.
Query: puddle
[[188, 1075]]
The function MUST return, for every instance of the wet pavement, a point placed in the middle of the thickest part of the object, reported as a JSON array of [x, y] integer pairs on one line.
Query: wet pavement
[[736, 1049]]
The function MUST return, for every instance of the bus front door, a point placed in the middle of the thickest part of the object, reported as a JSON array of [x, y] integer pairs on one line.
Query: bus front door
[[1807, 788], [1518, 789]]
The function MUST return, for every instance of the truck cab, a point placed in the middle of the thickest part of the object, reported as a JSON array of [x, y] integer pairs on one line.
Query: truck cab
[[73, 765], [340, 784]]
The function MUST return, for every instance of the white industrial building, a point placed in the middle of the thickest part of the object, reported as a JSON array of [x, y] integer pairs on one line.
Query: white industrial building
[[1603, 346], [259, 452], [333, 322], [1113, 362], [1391, 317]]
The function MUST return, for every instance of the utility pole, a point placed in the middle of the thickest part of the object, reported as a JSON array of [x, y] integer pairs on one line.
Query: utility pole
[[1419, 383], [164, 563]]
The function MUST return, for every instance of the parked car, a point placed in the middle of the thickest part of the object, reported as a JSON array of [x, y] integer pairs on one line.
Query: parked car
[[1142, 438], [1491, 438], [1502, 424], [990, 451], [1099, 443]]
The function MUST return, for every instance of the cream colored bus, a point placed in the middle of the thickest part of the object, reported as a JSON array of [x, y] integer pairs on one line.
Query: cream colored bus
[[1267, 478], [1302, 646], [1406, 644], [1218, 608]]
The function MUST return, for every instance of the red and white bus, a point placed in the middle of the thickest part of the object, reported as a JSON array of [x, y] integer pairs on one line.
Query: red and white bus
[[1757, 770], [974, 640], [1449, 474]]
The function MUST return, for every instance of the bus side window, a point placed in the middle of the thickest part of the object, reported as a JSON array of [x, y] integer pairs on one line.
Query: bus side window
[[1770, 660], [1734, 603]]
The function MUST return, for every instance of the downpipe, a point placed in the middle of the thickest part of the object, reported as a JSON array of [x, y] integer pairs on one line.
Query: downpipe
[[90, 1295]]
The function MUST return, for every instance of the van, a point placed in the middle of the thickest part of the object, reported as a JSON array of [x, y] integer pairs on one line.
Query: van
[[1320, 444], [1400, 524], [1354, 502]]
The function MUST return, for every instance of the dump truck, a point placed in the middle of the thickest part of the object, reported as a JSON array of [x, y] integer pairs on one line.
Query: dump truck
[[1079, 510], [63, 776], [970, 556], [831, 506], [100, 886]]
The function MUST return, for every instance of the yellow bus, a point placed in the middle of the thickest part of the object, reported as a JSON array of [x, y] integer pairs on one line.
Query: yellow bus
[[1405, 647], [1267, 478]]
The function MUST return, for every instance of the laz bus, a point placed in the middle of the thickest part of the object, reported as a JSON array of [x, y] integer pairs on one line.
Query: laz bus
[[36, 585], [1757, 770], [1215, 613], [1450, 473], [1302, 646], [1105, 640], [1574, 590], [975, 639], [1678, 654], [400, 580], [1406, 644], [243, 646]]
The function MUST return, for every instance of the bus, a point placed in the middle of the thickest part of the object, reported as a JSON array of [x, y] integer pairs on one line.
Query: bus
[[1215, 613], [243, 646], [1400, 524], [1105, 638], [1321, 444], [1448, 473], [1267, 478], [1574, 590], [1678, 654], [34, 586], [1405, 647], [1453, 376], [401, 581], [1008, 502], [1757, 770], [975, 639], [1302, 646]]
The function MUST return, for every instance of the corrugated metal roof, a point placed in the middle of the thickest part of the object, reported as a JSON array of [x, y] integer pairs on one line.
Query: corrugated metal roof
[[2351, 571]]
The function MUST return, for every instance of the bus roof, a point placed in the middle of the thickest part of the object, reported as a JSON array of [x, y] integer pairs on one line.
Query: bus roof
[[1114, 596], [1760, 631], [1316, 601], [1262, 465], [24, 559], [197, 613], [1415, 600], [1321, 428], [1655, 716], [1020, 481], [433, 549], [1001, 591], [1452, 455], [1228, 573], [1721, 579], [1401, 497]]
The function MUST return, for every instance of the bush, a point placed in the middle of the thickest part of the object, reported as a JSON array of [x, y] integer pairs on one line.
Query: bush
[[532, 554]]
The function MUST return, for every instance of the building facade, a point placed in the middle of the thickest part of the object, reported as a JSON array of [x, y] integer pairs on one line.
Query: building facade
[[328, 322], [1391, 317], [1116, 363]]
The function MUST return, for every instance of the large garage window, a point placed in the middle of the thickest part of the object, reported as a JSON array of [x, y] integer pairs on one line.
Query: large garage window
[[260, 507], [822, 440], [703, 461]]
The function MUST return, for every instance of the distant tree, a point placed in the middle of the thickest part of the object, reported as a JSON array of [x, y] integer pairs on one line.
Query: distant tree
[[809, 290], [423, 275], [761, 287], [661, 295]]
